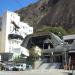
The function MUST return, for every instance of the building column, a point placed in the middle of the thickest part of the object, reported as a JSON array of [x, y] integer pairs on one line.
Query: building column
[[51, 57], [69, 62], [65, 60], [43, 46]]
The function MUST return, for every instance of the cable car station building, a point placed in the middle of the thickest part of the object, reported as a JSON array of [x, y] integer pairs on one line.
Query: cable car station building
[[54, 50]]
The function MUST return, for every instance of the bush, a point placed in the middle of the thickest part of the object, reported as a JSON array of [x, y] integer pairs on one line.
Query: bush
[[60, 31]]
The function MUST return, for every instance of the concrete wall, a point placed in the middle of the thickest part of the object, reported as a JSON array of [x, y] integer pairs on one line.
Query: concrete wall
[[0, 40], [0, 31], [3, 41]]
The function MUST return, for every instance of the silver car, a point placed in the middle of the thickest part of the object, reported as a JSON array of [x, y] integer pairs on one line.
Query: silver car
[[8, 66], [20, 67]]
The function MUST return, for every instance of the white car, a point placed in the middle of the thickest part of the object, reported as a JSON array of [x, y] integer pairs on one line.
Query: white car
[[20, 66]]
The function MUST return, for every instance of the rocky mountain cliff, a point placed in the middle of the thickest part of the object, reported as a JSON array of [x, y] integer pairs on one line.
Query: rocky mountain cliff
[[62, 13], [35, 12], [50, 13]]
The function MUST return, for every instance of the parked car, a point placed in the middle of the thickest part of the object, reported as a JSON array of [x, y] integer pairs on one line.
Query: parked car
[[8, 66], [19, 66]]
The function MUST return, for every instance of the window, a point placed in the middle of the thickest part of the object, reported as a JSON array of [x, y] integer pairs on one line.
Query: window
[[12, 42], [29, 30], [11, 15], [23, 27], [69, 41]]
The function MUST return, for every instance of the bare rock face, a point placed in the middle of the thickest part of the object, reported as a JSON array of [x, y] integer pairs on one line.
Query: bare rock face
[[50, 13], [63, 13], [52, 2], [35, 12]]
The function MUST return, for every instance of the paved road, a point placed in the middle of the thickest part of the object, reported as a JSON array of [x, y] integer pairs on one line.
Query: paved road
[[34, 72], [37, 72]]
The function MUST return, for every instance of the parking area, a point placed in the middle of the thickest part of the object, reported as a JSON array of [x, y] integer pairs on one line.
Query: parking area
[[13, 67], [37, 72]]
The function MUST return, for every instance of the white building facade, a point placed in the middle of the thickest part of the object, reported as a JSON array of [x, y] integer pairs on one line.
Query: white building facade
[[12, 34]]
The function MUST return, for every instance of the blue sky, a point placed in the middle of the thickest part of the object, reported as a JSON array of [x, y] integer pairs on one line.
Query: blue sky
[[13, 5]]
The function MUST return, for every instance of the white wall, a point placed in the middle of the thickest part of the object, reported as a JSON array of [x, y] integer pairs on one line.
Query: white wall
[[8, 28], [0, 32], [0, 40], [25, 29], [6, 23], [3, 41]]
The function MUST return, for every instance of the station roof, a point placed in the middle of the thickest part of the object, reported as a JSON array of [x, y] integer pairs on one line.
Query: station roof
[[68, 37], [42, 38]]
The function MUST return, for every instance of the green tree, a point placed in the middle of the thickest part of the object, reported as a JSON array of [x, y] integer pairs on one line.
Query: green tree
[[33, 56], [60, 31]]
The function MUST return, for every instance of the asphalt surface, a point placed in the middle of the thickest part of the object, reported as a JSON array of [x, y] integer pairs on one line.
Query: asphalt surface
[[36, 72]]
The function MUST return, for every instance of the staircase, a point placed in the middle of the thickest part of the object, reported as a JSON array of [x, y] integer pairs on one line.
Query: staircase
[[50, 66], [44, 66]]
